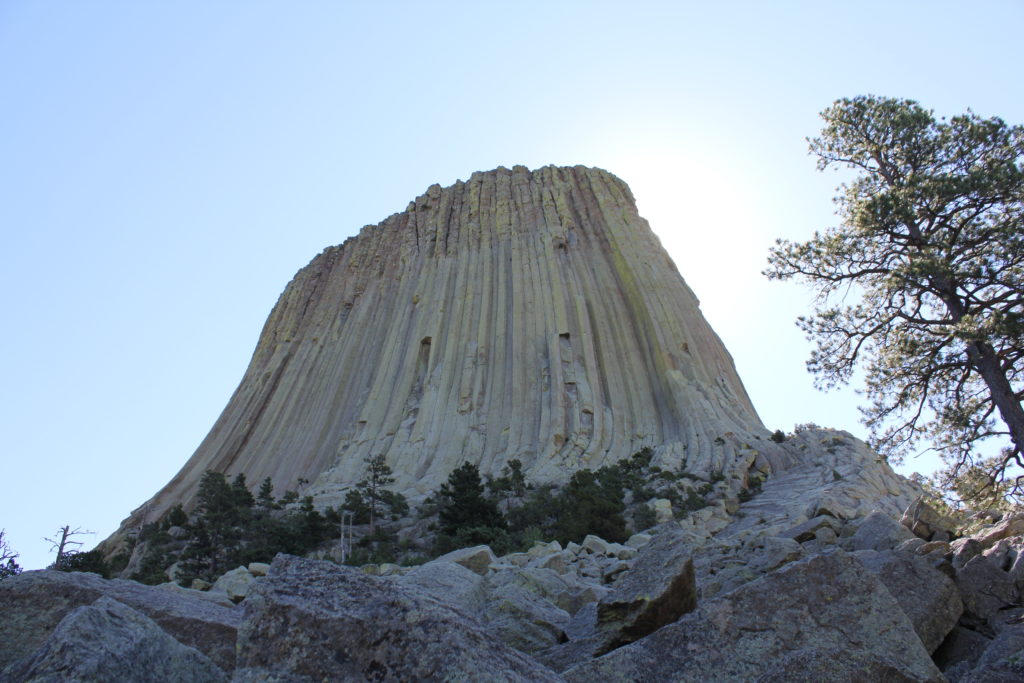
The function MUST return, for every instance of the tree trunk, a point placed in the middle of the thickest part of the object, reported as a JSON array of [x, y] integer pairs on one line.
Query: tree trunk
[[64, 531], [984, 358]]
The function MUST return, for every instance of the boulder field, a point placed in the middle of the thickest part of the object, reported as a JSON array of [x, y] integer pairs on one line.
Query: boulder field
[[801, 586]]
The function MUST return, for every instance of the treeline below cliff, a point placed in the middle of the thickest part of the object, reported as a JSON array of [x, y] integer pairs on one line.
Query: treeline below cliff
[[232, 525]]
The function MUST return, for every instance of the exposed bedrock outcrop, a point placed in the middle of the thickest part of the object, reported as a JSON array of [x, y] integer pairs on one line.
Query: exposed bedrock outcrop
[[519, 314]]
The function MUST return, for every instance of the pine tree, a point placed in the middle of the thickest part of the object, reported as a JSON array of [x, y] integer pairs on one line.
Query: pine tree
[[591, 503], [374, 487], [217, 527], [510, 485], [921, 286], [464, 504], [265, 498], [241, 495]]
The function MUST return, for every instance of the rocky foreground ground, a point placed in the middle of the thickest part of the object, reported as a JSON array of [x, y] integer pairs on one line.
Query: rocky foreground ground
[[833, 571]]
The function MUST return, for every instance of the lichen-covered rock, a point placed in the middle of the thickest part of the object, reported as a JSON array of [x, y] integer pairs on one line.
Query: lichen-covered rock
[[108, 641], [595, 544], [33, 603], [557, 562], [964, 550], [921, 548], [581, 592], [546, 583], [477, 559], [928, 597], [235, 583], [216, 598], [662, 508], [258, 568], [637, 541], [827, 609], [312, 620], [724, 564], [542, 549]]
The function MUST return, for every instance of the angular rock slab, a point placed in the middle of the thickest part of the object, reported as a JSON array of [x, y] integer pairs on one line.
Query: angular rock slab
[[477, 559], [109, 641], [449, 583], [658, 589], [985, 590], [311, 620], [924, 521], [523, 619], [235, 584], [928, 597], [798, 616], [32, 604], [879, 531]]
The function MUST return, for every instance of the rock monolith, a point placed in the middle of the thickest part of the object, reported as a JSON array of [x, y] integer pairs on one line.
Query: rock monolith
[[528, 315]]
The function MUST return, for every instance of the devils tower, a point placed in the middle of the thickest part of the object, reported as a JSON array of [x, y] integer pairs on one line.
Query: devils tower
[[530, 316], [520, 314]]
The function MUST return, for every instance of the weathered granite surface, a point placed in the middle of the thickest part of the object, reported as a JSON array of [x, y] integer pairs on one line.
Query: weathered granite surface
[[824, 609], [34, 603], [109, 641], [312, 620]]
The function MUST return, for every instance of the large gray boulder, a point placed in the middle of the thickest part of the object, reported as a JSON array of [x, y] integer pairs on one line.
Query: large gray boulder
[[827, 614], [235, 584], [520, 606], [658, 589], [311, 620], [806, 531], [1012, 525], [33, 604], [108, 641], [565, 591], [924, 521], [449, 583], [879, 531], [926, 595], [985, 590], [478, 558], [523, 619]]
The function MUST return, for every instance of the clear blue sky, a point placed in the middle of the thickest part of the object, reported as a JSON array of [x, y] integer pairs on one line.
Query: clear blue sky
[[165, 168]]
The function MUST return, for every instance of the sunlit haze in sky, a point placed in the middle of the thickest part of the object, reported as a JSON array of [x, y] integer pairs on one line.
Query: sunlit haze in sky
[[165, 168]]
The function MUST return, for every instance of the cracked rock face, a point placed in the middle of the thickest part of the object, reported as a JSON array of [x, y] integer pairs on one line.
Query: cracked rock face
[[519, 314]]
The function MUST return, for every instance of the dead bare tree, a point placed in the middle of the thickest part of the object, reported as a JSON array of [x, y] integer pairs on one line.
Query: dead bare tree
[[8, 566], [63, 543]]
